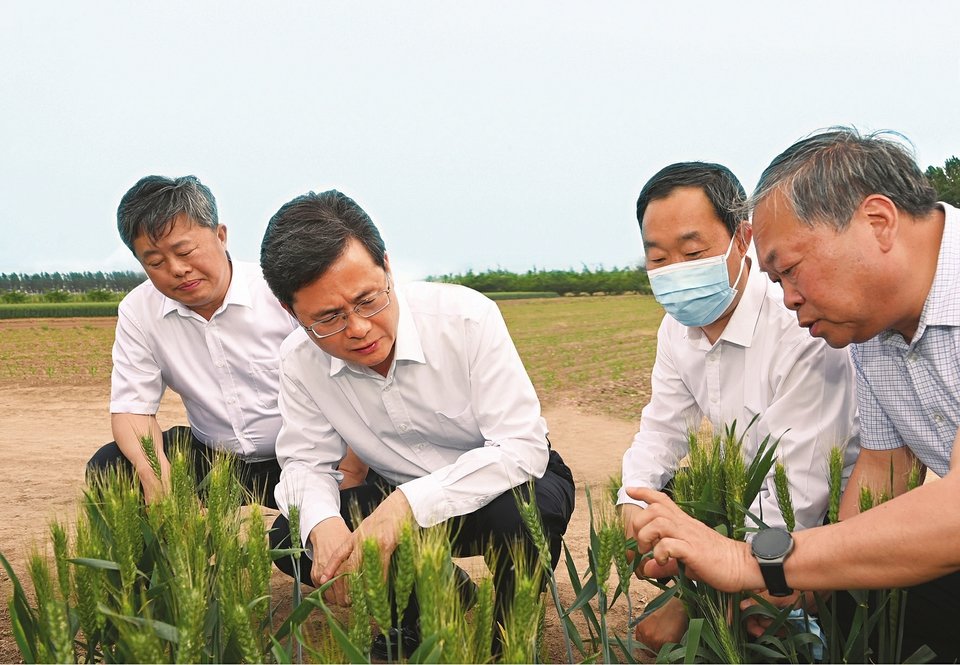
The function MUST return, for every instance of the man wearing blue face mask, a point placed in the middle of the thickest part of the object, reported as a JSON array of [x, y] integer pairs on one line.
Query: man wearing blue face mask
[[728, 350]]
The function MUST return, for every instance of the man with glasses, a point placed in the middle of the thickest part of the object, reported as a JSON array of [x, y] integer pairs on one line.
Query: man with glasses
[[728, 350], [425, 386]]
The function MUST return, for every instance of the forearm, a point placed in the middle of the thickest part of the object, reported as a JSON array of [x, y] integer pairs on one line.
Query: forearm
[[128, 431], [476, 478], [898, 543]]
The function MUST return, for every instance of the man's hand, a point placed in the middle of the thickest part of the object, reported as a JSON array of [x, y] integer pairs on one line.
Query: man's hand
[[155, 488], [665, 625], [383, 524], [672, 536], [756, 624], [327, 537], [629, 512], [128, 428]]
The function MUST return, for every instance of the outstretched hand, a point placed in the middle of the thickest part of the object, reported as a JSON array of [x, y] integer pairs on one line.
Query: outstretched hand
[[384, 525], [672, 535]]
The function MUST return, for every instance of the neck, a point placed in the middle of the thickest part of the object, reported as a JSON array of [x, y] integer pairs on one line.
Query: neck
[[715, 329], [920, 257]]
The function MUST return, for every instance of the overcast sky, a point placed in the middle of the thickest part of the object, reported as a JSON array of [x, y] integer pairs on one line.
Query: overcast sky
[[512, 134]]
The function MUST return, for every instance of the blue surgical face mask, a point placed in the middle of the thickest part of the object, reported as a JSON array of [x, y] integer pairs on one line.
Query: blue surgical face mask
[[695, 293]]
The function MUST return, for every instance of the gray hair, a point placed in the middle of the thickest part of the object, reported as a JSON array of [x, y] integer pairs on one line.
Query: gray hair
[[828, 174], [150, 206]]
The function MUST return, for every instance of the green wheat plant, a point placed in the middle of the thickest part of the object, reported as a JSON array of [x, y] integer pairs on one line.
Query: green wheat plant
[[874, 632], [717, 487], [178, 581]]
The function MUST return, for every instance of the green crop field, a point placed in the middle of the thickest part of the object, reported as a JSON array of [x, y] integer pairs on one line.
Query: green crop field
[[595, 353]]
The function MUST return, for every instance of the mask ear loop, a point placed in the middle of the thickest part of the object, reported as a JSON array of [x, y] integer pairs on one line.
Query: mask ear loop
[[743, 259]]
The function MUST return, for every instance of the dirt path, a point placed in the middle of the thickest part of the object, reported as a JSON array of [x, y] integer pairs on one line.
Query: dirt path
[[47, 435]]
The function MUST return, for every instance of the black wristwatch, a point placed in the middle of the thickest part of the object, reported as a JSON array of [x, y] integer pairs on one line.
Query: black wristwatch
[[771, 547]]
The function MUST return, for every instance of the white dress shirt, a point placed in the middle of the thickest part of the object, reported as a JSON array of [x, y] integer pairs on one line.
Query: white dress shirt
[[455, 423], [226, 370], [764, 364]]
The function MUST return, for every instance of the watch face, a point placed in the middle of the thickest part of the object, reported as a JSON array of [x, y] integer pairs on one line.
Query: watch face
[[771, 543]]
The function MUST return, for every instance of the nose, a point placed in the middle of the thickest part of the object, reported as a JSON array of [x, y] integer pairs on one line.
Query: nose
[[791, 297], [357, 326], [179, 267]]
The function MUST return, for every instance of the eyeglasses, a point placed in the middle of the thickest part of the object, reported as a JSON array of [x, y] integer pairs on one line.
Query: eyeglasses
[[337, 323]]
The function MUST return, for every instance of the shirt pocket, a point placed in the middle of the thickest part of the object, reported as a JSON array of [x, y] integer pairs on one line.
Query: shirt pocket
[[265, 379], [459, 430]]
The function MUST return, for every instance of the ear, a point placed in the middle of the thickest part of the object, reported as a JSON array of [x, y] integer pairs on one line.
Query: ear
[[288, 310], [883, 217], [744, 235], [222, 234], [386, 264]]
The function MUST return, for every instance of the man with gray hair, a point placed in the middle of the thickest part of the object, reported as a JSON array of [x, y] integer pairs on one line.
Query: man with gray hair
[[852, 230], [202, 324]]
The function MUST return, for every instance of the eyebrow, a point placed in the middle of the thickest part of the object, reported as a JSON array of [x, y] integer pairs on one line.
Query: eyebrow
[[316, 316], [768, 261], [690, 235], [174, 247]]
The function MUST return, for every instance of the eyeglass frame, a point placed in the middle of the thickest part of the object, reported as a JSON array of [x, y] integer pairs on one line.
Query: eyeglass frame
[[355, 310]]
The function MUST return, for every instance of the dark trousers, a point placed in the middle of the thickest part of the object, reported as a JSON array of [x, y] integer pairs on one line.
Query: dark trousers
[[498, 525], [932, 617], [258, 478]]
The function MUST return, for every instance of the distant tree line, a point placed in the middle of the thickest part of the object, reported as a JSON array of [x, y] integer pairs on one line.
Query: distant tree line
[[610, 281], [946, 180], [71, 282]]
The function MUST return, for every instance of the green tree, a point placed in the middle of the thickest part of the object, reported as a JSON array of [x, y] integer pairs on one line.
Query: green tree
[[56, 295], [946, 180]]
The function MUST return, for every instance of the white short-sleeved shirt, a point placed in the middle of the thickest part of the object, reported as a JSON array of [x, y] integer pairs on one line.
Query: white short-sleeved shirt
[[226, 370], [764, 364], [910, 392], [455, 423]]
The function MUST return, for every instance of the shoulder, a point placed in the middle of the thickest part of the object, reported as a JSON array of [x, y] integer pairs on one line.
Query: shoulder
[[143, 299], [294, 344], [446, 300]]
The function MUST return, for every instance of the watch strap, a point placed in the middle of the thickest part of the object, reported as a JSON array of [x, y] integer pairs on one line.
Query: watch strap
[[774, 578]]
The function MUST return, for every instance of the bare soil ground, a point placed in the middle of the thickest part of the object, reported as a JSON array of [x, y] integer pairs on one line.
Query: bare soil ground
[[48, 433]]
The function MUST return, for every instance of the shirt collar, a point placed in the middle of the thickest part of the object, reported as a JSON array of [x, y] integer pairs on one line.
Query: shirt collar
[[407, 346], [238, 293], [742, 324], [942, 306]]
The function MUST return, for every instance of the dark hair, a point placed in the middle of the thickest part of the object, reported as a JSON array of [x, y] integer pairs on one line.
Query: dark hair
[[150, 206], [722, 188], [308, 234], [827, 175]]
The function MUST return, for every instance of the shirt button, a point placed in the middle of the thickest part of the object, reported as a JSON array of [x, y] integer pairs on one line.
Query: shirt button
[[220, 363], [230, 400], [937, 418], [403, 427]]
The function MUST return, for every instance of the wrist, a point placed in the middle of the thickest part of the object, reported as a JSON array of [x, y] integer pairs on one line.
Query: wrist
[[752, 575]]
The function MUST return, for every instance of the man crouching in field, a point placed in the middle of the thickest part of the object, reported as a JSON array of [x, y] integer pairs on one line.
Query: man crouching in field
[[204, 325], [425, 386], [729, 350]]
